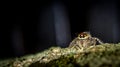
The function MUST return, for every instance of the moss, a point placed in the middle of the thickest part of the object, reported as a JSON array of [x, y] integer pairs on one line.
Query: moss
[[106, 55]]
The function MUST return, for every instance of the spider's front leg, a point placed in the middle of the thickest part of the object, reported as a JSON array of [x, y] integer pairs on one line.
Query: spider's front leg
[[75, 45]]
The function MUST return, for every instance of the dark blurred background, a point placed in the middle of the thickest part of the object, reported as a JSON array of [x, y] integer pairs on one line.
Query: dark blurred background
[[27, 28]]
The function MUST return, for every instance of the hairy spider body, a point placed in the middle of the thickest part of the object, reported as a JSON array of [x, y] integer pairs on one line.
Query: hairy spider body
[[84, 40]]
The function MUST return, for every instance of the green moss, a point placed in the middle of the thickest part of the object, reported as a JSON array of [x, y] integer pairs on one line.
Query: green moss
[[106, 55]]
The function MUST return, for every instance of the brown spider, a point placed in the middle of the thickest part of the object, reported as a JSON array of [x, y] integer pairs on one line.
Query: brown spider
[[84, 40]]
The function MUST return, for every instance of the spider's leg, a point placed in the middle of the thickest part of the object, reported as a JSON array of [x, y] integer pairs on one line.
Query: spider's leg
[[98, 40], [77, 47], [94, 41], [72, 44]]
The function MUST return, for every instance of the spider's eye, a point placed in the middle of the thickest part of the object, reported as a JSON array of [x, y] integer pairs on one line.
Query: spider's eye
[[82, 35]]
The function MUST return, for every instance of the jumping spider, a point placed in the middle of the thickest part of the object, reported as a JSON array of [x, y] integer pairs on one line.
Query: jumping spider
[[84, 40]]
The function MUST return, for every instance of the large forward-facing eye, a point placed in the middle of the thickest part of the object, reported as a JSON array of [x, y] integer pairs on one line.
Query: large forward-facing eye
[[83, 35]]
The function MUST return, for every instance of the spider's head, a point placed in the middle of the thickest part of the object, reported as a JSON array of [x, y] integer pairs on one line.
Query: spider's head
[[84, 35]]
